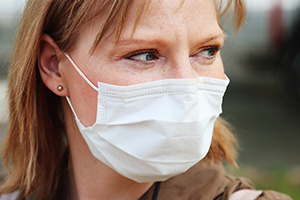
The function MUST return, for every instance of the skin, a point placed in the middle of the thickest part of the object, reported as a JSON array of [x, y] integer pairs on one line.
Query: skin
[[179, 42]]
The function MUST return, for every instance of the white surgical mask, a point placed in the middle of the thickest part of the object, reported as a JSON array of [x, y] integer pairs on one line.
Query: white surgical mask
[[152, 131]]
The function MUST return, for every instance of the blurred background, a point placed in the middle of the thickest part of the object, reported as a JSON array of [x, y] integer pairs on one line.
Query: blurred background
[[262, 102]]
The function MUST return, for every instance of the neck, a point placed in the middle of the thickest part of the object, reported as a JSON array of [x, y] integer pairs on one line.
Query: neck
[[104, 184]]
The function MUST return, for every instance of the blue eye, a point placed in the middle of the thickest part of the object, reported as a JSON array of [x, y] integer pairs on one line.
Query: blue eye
[[144, 55], [209, 52]]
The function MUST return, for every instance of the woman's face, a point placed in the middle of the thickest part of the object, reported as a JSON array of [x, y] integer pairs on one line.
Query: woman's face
[[170, 42]]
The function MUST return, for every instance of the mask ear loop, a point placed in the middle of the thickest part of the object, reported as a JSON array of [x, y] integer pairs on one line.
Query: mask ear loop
[[84, 77], [69, 102], [80, 73]]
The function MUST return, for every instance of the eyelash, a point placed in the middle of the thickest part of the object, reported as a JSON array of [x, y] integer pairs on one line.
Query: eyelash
[[140, 52], [214, 48]]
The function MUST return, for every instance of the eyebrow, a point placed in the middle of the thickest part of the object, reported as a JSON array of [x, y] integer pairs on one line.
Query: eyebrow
[[160, 41], [138, 41], [221, 35]]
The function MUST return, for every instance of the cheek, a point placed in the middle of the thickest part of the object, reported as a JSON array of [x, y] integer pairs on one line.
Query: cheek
[[83, 98], [219, 70], [85, 103], [215, 70], [122, 74]]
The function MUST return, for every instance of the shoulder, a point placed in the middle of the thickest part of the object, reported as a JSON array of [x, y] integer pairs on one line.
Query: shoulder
[[10, 196], [258, 195], [240, 188], [209, 181], [269, 194]]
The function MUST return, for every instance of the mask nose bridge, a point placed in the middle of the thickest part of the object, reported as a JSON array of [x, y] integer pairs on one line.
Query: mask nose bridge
[[81, 73]]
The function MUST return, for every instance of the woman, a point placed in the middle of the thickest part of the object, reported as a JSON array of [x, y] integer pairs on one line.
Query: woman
[[118, 100]]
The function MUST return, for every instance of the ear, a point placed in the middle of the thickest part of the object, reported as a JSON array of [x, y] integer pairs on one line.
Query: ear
[[49, 61]]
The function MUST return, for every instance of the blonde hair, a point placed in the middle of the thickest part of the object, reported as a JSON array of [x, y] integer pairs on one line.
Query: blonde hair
[[35, 147]]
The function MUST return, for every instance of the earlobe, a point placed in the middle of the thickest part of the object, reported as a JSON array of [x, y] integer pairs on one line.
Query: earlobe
[[49, 63]]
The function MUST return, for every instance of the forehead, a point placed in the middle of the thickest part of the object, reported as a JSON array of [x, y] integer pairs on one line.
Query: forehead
[[169, 16], [177, 8], [172, 16]]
